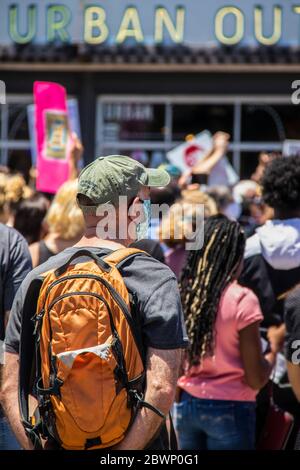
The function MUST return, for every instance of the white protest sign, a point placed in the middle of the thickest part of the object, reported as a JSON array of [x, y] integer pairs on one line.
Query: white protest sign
[[188, 154]]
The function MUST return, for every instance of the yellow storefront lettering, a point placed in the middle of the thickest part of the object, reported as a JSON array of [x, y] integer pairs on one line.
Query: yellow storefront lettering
[[14, 33], [258, 26], [95, 18], [130, 26], [237, 36], [58, 18], [164, 22]]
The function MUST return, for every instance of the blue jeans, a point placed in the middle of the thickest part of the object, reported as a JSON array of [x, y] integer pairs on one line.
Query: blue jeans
[[214, 424], [7, 438]]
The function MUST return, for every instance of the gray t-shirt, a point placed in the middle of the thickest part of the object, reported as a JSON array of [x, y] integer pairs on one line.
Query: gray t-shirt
[[156, 291], [15, 264]]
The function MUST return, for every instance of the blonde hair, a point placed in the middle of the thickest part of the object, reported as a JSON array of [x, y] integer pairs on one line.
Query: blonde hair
[[178, 224], [64, 216], [13, 190], [16, 189], [194, 196]]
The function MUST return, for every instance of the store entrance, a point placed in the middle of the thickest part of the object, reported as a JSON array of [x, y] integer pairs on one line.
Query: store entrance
[[148, 127]]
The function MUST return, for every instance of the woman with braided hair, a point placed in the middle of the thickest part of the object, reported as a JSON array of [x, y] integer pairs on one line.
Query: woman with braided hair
[[225, 366]]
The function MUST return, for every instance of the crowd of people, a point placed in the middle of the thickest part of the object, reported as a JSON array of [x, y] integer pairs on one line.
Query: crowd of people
[[218, 326]]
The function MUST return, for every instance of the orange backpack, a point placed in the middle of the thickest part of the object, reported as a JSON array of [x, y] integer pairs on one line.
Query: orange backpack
[[88, 368]]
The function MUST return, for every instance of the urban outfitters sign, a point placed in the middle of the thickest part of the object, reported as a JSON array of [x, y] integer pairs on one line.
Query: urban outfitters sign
[[199, 23]]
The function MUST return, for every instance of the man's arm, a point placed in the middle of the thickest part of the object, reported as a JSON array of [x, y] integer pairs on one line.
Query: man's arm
[[10, 401], [220, 146], [161, 376]]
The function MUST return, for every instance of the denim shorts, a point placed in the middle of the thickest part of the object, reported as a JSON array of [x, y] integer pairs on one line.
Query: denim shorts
[[203, 424]]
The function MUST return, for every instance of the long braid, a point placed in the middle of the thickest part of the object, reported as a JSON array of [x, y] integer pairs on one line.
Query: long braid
[[206, 274]]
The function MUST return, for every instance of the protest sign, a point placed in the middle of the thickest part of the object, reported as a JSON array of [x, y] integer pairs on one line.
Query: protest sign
[[52, 136], [74, 124], [188, 154]]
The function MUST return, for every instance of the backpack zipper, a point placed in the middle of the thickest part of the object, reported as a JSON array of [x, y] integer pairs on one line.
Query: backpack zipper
[[118, 299], [112, 291], [60, 297]]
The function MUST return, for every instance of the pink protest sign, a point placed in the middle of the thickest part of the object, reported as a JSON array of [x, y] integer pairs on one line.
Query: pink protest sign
[[52, 135]]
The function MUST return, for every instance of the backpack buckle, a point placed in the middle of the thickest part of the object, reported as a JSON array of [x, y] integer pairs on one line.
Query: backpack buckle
[[37, 321], [139, 403], [134, 398], [54, 390]]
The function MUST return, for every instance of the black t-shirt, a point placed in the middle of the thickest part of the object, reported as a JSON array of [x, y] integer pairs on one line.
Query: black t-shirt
[[15, 264], [292, 322]]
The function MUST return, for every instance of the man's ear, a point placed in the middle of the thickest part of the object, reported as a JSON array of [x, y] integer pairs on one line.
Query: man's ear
[[135, 209]]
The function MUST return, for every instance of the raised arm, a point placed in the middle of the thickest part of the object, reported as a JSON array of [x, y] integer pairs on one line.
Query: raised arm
[[220, 145], [75, 156]]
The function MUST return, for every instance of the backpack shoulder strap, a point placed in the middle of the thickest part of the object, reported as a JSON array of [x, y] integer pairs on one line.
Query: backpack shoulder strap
[[118, 257], [27, 354]]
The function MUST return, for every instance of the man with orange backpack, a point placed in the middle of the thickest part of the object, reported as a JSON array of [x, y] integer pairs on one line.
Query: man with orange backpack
[[96, 333]]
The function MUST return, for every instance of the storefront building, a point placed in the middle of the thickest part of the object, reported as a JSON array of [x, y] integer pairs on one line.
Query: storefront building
[[148, 73]]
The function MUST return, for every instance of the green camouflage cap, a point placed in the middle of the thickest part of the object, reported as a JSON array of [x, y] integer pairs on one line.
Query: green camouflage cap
[[107, 178]]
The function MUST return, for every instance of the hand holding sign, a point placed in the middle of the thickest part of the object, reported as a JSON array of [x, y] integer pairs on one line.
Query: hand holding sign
[[221, 141], [205, 154], [76, 152]]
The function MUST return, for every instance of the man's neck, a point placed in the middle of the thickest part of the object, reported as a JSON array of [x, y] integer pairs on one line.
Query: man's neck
[[93, 241]]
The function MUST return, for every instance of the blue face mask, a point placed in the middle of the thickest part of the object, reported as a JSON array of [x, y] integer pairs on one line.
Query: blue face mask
[[143, 227]]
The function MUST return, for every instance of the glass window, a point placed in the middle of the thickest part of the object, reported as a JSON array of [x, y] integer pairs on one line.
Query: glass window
[[290, 119], [15, 136], [142, 127], [133, 121], [266, 123], [17, 122], [249, 162], [192, 119]]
